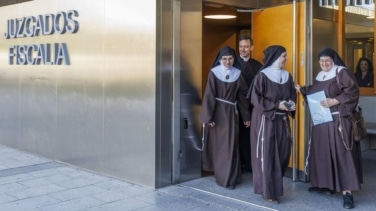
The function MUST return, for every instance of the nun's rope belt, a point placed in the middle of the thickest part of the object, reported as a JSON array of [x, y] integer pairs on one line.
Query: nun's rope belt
[[225, 101], [280, 113]]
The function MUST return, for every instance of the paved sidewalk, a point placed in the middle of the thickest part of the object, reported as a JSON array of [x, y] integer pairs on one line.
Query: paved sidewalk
[[29, 182], [33, 183]]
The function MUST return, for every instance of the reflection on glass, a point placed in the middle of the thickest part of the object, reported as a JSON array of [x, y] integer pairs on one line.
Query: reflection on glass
[[358, 7], [359, 36], [364, 72], [360, 40]]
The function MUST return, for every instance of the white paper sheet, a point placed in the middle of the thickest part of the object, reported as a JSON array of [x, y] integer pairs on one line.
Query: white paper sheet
[[319, 113]]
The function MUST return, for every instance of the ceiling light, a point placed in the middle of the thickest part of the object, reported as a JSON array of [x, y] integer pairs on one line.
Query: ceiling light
[[219, 16], [225, 12]]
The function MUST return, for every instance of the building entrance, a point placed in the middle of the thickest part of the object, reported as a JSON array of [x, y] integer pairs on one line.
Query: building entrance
[[194, 61]]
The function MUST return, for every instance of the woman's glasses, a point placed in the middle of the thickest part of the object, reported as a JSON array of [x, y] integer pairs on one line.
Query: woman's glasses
[[229, 59], [326, 61]]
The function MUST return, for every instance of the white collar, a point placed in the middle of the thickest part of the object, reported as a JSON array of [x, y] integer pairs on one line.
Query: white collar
[[226, 75], [275, 73], [245, 59], [324, 76]]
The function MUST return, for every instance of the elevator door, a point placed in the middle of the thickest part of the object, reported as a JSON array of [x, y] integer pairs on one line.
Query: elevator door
[[187, 67]]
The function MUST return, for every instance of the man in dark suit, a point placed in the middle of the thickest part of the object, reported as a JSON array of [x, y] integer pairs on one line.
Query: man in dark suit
[[249, 67]]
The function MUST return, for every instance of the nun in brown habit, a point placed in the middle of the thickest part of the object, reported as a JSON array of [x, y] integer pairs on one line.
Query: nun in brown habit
[[334, 162], [225, 89], [273, 96]]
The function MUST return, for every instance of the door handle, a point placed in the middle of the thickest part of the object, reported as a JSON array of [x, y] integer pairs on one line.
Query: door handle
[[185, 123]]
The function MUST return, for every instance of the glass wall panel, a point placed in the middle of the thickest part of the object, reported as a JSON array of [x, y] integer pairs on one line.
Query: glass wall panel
[[359, 32]]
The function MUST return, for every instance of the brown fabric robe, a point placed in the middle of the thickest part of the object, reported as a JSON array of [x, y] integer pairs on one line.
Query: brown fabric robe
[[331, 165], [221, 151], [249, 69], [270, 134]]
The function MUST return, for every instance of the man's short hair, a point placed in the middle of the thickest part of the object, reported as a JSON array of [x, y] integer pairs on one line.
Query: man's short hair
[[246, 37]]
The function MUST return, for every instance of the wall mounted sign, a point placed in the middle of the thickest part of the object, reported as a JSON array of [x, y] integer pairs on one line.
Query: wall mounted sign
[[41, 25]]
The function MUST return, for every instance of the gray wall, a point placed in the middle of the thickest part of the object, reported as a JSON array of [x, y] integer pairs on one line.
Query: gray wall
[[368, 108], [99, 112], [10, 2], [368, 105]]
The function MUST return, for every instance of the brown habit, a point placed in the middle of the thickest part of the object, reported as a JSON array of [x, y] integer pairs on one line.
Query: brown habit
[[270, 134], [221, 153], [331, 165]]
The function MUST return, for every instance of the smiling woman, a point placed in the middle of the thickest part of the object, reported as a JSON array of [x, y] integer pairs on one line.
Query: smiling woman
[[354, 36], [332, 142], [360, 39], [224, 95]]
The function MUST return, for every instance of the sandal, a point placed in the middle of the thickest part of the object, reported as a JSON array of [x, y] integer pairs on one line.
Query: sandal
[[272, 200]]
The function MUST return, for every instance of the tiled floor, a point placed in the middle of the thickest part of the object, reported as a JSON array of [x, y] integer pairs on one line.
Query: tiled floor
[[29, 182]]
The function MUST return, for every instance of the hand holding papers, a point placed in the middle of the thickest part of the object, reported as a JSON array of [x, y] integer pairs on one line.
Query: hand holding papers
[[319, 113]]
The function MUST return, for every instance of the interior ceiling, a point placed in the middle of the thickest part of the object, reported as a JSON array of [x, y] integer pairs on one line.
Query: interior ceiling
[[361, 27], [243, 19], [356, 31]]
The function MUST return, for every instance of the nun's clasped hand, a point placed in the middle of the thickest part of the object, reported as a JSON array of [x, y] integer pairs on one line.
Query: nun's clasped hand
[[329, 102], [283, 105]]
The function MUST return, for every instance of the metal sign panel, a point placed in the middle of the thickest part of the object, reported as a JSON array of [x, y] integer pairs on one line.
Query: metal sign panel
[[83, 93]]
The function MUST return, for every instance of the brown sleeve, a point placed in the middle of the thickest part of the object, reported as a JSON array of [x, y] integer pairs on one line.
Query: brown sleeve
[[349, 95]]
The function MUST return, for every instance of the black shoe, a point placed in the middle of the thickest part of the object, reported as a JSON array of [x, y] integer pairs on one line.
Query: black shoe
[[348, 201], [325, 191], [313, 189], [231, 187], [242, 169], [320, 190]]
